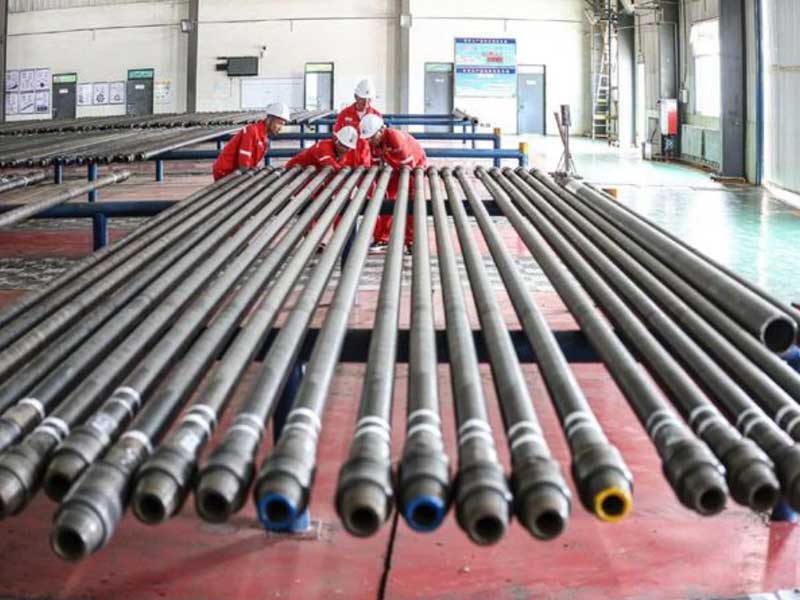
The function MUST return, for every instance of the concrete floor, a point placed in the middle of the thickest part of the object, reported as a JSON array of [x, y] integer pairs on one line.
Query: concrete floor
[[662, 551]]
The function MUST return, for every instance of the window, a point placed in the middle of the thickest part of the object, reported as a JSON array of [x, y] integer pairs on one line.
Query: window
[[705, 48]]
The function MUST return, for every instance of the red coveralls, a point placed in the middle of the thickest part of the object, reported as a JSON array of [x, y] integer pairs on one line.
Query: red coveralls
[[398, 149], [323, 154], [349, 116], [245, 150]]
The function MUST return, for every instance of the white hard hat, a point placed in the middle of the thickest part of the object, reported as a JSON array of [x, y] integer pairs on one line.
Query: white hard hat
[[370, 125], [347, 136], [365, 89], [280, 110]]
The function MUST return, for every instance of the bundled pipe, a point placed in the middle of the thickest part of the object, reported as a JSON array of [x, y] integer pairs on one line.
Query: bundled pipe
[[708, 322], [760, 317], [783, 306], [542, 498], [364, 494], [94, 266], [423, 478], [81, 317], [749, 472], [691, 469], [482, 496], [601, 477], [284, 483], [21, 467], [106, 486], [90, 440], [37, 206], [166, 478], [19, 181]]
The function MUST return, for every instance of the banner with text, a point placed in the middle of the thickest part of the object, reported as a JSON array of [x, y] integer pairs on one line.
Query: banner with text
[[486, 67]]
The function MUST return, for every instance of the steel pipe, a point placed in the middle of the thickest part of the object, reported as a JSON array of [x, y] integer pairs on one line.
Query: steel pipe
[[38, 205], [364, 493], [284, 483], [154, 227], [22, 466], [748, 470], [165, 479], [690, 468], [772, 326], [423, 477], [482, 497], [20, 181], [602, 478], [542, 499], [87, 442]]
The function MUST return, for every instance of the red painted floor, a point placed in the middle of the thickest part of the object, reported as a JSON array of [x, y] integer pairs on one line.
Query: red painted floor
[[661, 552]]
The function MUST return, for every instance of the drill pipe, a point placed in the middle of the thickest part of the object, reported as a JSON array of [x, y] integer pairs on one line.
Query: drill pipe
[[707, 323], [91, 264], [748, 470], [19, 181], [690, 468], [750, 483], [22, 466], [284, 483], [59, 364], [87, 442], [423, 477], [482, 496], [364, 495], [20, 214], [165, 479], [542, 499], [788, 309], [602, 478], [772, 326], [20, 338], [106, 486]]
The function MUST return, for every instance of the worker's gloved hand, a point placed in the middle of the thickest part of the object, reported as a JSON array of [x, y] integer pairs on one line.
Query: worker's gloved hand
[[241, 171]]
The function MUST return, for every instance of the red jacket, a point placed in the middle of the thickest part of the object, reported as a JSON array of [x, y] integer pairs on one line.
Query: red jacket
[[399, 149], [323, 154], [349, 116], [245, 150]]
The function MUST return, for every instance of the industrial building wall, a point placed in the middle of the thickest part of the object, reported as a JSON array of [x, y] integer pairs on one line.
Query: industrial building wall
[[101, 45], [358, 36], [548, 33], [782, 94]]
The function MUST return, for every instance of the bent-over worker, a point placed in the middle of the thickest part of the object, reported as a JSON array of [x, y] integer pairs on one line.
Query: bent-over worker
[[345, 149]]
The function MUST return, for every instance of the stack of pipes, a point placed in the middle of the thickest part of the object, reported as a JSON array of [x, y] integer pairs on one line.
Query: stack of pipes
[[115, 377]]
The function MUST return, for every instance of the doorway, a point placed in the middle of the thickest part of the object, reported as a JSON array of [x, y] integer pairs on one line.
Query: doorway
[[319, 86], [65, 97], [438, 92], [531, 99]]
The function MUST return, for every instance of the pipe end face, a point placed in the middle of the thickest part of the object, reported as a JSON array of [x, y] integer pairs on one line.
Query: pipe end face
[[276, 512], [155, 498], [218, 496], [545, 513], [77, 533], [425, 513], [779, 334], [613, 504], [485, 516], [12, 494], [705, 491], [364, 507]]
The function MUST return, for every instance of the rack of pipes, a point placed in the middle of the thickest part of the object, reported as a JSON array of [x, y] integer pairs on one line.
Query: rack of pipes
[[185, 300]]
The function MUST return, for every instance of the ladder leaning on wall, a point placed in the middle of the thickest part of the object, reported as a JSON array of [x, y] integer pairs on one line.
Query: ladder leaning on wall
[[604, 76]]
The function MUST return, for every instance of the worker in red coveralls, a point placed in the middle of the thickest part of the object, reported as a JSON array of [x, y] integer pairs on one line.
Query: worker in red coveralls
[[247, 148], [345, 149], [396, 149], [352, 115]]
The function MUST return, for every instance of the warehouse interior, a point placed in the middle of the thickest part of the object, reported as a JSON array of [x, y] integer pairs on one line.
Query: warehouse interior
[[399, 299]]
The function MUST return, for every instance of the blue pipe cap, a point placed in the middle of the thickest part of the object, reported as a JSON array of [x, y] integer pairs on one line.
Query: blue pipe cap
[[277, 513], [425, 513]]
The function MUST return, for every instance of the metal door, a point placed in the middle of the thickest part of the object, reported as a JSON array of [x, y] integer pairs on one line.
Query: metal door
[[531, 101], [64, 96], [139, 97], [438, 92]]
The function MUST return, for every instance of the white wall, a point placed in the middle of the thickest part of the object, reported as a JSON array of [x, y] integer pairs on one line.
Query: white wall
[[101, 44], [547, 33], [358, 36]]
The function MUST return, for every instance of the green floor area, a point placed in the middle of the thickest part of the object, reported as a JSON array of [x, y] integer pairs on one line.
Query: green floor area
[[745, 229]]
